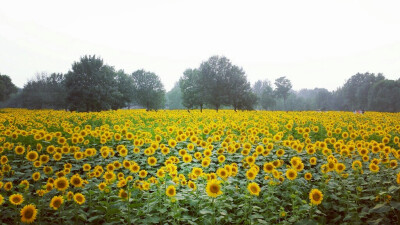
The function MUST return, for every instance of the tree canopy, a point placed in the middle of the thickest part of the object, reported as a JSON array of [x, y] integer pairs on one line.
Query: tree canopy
[[7, 87], [148, 90]]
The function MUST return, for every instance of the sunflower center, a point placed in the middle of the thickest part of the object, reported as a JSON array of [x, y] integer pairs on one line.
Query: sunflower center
[[28, 213], [214, 188], [316, 197]]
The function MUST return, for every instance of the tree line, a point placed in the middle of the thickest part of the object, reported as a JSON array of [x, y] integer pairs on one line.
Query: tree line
[[92, 85]]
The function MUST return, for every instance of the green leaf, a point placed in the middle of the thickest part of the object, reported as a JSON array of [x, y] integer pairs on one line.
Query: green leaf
[[205, 211], [375, 222], [380, 208], [395, 205], [306, 222], [392, 189]]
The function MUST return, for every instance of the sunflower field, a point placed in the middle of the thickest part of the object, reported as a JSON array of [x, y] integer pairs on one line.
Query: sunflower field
[[179, 167]]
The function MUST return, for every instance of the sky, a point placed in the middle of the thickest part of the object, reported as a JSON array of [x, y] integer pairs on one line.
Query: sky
[[314, 43]]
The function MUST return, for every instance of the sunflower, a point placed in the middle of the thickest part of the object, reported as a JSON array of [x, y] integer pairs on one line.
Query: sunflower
[[3, 160], [280, 152], [356, 165], [251, 174], [213, 188], [223, 173], [152, 161], [205, 162], [142, 173], [316, 196], [61, 183], [101, 186], [79, 198], [253, 188], [291, 174], [187, 158], [32, 156], [28, 213], [16, 199], [192, 185], [373, 167], [397, 179], [86, 167], [1, 199], [109, 176], [308, 176], [19, 150], [393, 163], [134, 168], [56, 202], [221, 158], [24, 184], [171, 191], [123, 194], [313, 160], [76, 180], [172, 143], [340, 167]]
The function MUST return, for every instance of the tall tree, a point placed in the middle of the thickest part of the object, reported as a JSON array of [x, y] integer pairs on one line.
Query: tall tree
[[384, 96], [267, 99], [356, 89], [91, 85], [239, 92], [6, 87], [225, 84], [123, 95], [213, 73], [265, 94], [283, 86], [149, 92], [193, 89]]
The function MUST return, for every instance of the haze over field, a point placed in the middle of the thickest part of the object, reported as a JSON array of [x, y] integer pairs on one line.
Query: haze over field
[[312, 43]]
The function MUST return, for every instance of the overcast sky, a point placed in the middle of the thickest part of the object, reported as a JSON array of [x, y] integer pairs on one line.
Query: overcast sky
[[313, 43]]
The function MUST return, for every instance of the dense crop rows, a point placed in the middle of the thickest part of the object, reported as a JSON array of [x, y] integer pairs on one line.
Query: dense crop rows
[[176, 167]]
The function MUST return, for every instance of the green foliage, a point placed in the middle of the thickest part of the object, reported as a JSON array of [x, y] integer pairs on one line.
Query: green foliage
[[283, 86], [174, 96], [192, 89], [384, 96], [93, 86], [217, 83], [6, 87], [356, 89], [148, 90], [44, 91]]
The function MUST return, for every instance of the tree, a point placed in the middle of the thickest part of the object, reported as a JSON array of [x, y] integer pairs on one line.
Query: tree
[[239, 92], [149, 92], [213, 73], [124, 93], [265, 94], [384, 96], [174, 98], [91, 85], [283, 86], [267, 99], [222, 83], [6, 87], [355, 90], [44, 91], [323, 99], [193, 89]]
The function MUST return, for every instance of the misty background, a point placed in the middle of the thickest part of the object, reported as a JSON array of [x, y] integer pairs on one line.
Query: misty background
[[315, 45]]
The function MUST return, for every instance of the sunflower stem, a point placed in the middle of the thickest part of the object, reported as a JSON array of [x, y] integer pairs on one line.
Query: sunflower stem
[[213, 206]]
